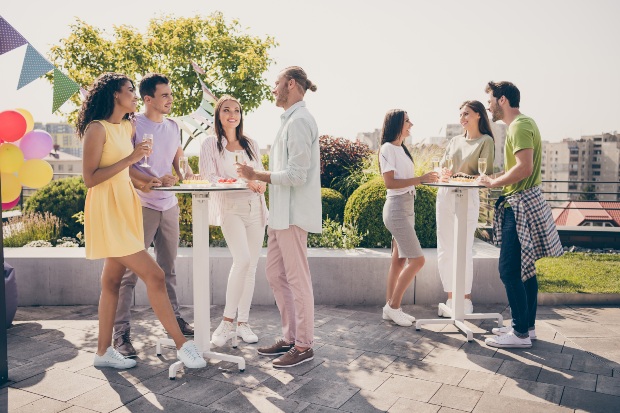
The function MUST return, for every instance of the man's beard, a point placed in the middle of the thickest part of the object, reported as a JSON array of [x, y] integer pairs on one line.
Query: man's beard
[[497, 114], [282, 97]]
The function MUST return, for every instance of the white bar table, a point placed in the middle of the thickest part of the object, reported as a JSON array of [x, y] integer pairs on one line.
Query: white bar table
[[457, 312], [200, 277]]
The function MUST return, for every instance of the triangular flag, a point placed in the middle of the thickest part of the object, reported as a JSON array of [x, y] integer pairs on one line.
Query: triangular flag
[[9, 37], [64, 88], [34, 67]]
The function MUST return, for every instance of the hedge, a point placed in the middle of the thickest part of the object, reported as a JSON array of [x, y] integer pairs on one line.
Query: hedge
[[365, 209], [333, 203]]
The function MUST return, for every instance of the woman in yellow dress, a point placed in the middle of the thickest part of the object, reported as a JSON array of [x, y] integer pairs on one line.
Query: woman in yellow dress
[[113, 214]]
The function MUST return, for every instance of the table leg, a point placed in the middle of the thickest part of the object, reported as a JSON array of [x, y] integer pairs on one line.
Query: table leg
[[202, 288]]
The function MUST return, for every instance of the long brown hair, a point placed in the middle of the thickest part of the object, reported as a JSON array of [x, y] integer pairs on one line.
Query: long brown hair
[[483, 124], [393, 124], [219, 129], [300, 77]]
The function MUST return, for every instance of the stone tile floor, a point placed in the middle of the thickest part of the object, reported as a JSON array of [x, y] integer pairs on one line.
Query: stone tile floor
[[362, 364]]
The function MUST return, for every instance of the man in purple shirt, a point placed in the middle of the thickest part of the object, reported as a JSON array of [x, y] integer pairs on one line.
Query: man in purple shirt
[[160, 209]]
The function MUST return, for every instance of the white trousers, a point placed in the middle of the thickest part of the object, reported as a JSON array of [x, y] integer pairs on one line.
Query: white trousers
[[244, 234], [446, 222]]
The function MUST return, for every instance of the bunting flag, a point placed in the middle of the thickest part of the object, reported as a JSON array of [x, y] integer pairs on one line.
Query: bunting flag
[[9, 37], [199, 122], [64, 88], [34, 67], [200, 71]]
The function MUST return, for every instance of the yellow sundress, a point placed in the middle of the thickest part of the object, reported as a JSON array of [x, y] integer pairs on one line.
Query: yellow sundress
[[113, 213]]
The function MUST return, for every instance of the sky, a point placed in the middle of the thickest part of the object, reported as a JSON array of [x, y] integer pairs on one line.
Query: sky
[[366, 58]]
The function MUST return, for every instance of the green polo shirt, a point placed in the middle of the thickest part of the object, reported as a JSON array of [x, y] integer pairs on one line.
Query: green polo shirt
[[522, 134]]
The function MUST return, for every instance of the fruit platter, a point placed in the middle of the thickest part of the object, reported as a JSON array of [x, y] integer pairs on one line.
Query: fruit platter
[[230, 183]]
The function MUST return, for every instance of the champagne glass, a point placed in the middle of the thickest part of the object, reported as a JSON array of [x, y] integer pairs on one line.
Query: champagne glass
[[482, 166], [148, 138], [435, 164], [238, 156], [448, 163], [183, 163]]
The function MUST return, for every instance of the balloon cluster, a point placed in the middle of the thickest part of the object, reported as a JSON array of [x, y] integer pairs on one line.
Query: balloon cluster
[[21, 153]]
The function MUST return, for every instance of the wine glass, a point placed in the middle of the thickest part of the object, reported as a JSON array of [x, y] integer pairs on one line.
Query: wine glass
[[435, 164], [448, 163], [482, 166], [148, 138], [183, 164], [238, 156]]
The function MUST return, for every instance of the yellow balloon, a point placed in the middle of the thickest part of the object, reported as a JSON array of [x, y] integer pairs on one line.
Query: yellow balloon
[[11, 158], [35, 173], [29, 119], [11, 188]]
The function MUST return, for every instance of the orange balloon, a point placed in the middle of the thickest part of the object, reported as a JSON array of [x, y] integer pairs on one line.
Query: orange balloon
[[35, 173], [29, 119]]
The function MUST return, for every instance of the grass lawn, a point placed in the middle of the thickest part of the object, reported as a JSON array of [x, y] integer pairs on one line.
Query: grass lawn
[[579, 272]]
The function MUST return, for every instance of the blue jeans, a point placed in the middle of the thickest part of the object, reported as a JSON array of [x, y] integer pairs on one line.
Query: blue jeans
[[522, 296]]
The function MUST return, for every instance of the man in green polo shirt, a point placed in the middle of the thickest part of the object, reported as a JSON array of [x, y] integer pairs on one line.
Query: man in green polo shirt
[[523, 224]]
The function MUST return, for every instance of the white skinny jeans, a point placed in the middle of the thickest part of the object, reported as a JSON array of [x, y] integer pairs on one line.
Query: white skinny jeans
[[244, 234], [446, 220]]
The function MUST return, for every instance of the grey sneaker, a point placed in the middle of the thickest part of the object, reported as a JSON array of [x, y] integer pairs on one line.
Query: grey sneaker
[[280, 347], [114, 359], [123, 345], [293, 358]]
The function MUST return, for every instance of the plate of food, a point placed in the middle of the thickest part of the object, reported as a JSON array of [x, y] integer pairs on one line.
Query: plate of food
[[230, 183], [195, 183], [463, 179]]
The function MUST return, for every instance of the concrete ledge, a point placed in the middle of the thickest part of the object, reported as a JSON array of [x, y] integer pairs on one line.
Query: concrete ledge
[[63, 276], [578, 299]]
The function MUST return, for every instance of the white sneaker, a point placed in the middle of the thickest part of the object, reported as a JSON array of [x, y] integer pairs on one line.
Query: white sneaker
[[508, 340], [440, 312], [245, 332], [468, 307], [190, 356], [387, 317], [504, 330], [397, 316], [224, 332], [113, 358]]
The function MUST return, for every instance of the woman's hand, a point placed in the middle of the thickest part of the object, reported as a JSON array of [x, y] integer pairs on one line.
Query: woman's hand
[[445, 174], [146, 187], [258, 187], [429, 177], [141, 150]]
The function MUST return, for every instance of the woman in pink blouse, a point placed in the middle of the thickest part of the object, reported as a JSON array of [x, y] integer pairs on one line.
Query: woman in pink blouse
[[241, 214]]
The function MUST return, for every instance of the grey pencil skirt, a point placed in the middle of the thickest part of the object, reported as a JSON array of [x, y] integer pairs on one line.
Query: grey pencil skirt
[[399, 219]]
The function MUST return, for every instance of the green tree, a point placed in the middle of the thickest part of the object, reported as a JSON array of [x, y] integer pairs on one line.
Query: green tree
[[234, 61], [589, 193]]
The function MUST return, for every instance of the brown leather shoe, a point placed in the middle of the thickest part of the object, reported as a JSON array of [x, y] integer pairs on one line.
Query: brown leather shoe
[[280, 347], [186, 329], [293, 357], [123, 345]]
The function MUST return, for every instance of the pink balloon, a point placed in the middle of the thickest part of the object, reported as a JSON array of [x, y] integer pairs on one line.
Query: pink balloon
[[36, 144], [9, 205]]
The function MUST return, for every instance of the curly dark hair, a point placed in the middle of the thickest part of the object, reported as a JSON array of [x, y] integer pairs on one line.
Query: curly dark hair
[[99, 103]]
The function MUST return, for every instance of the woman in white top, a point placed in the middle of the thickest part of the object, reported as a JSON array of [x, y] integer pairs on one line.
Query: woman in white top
[[241, 214], [465, 150], [396, 166]]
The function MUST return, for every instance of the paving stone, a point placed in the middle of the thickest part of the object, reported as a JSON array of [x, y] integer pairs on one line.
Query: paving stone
[[351, 375], [334, 325], [464, 360], [25, 371], [407, 349], [248, 400], [373, 361], [199, 390], [408, 406], [568, 378], [532, 390], [355, 340], [519, 370], [324, 393], [369, 402], [250, 378], [589, 364], [283, 383], [544, 358], [426, 371], [335, 353], [159, 403], [449, 410], [478, 347], [15, 398], [60, 384], [590, 401], [608, 385], [65, 358], [26, 348], [77, 409], [409, 388], [484, 382], [408, 335], [43, 405], [161, 384], [489, 403], [373, 330], [315, 408], [456, 397], [602, 347], [107, 398], [126, 377]]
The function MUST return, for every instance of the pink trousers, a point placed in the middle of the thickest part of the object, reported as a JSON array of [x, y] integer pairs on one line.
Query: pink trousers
[[288, 274]]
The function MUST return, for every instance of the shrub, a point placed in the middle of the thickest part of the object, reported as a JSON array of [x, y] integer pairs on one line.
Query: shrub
[[333, 204], [367, 170], [336, 235], [62, 198], [31, 226], [338, 156], [365, 209], [216, 238]]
